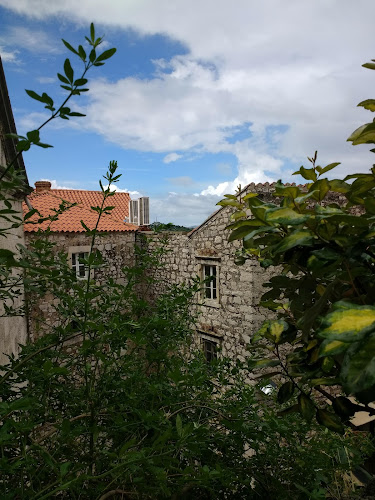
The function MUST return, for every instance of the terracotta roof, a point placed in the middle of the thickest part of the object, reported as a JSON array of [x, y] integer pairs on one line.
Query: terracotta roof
[[70, 221]]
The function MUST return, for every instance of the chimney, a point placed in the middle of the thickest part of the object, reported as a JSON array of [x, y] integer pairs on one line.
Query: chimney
[[41, 186]]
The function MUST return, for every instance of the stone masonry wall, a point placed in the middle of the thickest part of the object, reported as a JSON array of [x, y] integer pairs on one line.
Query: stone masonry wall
[[117, 249], [233, 318]]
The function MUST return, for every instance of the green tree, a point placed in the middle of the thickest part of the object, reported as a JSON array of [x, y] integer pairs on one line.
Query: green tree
[[319, 240]]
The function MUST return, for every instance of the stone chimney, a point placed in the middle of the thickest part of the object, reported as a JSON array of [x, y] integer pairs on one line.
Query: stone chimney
[[41, 186]]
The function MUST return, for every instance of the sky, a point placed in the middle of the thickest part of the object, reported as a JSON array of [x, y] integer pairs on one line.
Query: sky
[[201, 96]]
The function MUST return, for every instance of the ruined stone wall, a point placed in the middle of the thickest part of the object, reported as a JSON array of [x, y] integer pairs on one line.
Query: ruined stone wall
[[117, 249]]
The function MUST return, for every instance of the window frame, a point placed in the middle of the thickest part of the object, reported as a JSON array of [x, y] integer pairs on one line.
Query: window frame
[[75, 251], [212, 340], [212, 262], [210, 287]]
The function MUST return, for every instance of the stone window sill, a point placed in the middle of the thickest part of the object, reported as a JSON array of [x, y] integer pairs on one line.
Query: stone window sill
[[211, 303]]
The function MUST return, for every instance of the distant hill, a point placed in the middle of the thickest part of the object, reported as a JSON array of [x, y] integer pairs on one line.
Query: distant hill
[[160, 226]]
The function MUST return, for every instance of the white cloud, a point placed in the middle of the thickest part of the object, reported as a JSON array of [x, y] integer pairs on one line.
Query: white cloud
[[183, 180], [10, 56], [182, 209], [114, 187], [270, 64], [171, 157], [224, 168], [32, 40], [46, 79], [56, 185]]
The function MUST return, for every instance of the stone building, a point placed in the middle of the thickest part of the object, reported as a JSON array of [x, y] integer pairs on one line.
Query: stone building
[[228, 311], [13, 329], [115, 238]]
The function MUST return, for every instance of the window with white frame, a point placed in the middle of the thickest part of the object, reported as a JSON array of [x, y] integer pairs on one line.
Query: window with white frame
[[78, 266], [76, 257], [210, 281]]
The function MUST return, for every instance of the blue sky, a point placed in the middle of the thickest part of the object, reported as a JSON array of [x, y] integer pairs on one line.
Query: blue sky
[[200, 97]]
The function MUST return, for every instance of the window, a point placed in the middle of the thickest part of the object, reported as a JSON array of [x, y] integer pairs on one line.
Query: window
[[77, 265], [76, 255], [209, 342], [210, 279], [209, 349]]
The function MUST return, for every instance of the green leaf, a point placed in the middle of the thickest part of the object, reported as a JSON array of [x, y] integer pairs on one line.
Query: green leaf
[[105, 55], [85, 227], [43, 145], [332, 347], [302, 237], [23, 145], [285, 392], [370, 205], [357, 132], [82, 53], [307, 173], [68, 46], [243, 231], [348, 322], [68, 70], [329, 420], [339, 186], [229, 203], [62, 78], [92, 32], [368, 104], [179, 426], [64, 468], [33, 136], [323, 381], [306, 407], [369, 65], [363, 135], [329, 167], [47, 99], [74, 113], [30, 214], [262, 363], [304, 197], [321, 188], [34, 95], [358, 367], [292, 409], [92, 56], [7, 257], [344, 407], [285, 216], [80, 81]]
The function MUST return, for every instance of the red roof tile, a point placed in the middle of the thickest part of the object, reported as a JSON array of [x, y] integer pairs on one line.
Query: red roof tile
[[70, 221]]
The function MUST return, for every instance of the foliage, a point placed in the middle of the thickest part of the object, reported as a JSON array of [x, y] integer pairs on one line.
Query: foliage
[[160, 226], [114, 398], [319, 241]]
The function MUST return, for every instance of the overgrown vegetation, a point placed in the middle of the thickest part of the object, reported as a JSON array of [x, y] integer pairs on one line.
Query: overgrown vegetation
[[114, 401], [319, 241]]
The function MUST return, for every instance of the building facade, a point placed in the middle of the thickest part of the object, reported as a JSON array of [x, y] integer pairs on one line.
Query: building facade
[[13, 328]]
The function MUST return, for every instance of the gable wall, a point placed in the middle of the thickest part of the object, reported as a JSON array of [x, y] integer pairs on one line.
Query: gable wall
[[235, 316]]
